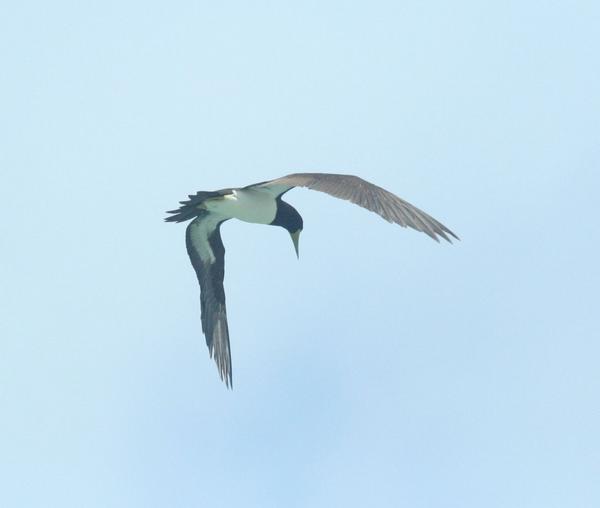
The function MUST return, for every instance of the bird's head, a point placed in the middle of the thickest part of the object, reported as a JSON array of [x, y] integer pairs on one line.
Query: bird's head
[[288, 217]]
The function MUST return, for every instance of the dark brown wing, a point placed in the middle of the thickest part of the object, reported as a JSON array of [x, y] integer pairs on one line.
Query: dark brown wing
[[367, 195], [207, 254]]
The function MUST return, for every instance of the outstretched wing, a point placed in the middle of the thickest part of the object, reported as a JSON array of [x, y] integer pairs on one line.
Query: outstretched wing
[[365, 194], [207, 254]]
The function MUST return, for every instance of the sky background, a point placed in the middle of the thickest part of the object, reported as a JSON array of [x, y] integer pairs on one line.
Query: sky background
[[382, 369]]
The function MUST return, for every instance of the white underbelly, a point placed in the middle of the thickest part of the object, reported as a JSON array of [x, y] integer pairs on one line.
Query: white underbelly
[[249, 205]]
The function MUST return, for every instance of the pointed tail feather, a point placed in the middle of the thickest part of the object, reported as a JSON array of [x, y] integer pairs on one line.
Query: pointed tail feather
[[190, 208]]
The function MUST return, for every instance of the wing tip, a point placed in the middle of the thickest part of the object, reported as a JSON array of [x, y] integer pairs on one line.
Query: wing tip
[[451, 233], [224, 368]]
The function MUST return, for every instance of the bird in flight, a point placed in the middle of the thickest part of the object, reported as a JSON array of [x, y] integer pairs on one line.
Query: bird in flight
[[261, 203]]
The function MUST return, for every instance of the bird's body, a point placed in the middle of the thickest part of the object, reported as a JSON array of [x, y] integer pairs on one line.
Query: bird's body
[[257, 206], [261, 203]]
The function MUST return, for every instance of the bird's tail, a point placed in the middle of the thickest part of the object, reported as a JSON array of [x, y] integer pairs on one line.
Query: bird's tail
[[190, 208]]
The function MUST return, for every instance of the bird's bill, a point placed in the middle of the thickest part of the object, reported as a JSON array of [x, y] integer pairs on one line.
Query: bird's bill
[[295, 238]]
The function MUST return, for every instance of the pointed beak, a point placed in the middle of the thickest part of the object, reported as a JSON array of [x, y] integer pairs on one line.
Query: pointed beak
[[295, 238]]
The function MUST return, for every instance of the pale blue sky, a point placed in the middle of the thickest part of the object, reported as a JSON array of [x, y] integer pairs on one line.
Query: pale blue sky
[[381, 369]]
